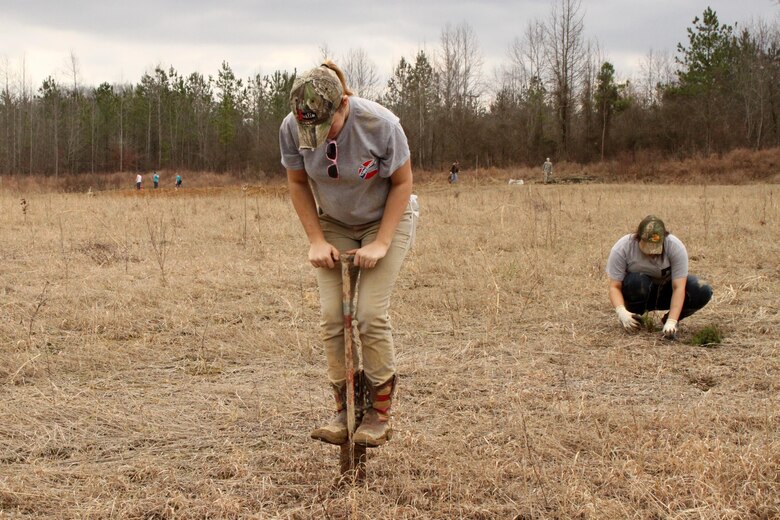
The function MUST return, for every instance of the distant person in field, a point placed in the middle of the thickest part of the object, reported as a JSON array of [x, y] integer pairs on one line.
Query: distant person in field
[[648, 270], [547, 168], [454, 170], [156, 180], [138, 180], [178, 181], [350, 178]]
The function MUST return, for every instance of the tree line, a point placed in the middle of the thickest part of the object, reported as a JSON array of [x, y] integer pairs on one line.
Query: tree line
[[555, 96]]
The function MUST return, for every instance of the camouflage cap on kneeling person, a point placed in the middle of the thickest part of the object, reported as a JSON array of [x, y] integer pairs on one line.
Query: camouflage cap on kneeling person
[[651, 237], [314, 98]]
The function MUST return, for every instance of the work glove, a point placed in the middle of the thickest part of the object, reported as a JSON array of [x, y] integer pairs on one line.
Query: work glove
[[670, 328], [629, 320]]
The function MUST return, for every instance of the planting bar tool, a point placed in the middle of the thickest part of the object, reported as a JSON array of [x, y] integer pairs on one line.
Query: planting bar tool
[[352, 459]]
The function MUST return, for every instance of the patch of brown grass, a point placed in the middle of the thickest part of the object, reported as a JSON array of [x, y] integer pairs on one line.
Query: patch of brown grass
[[735, 167], [520, 396], [646, 167], [125, 182]]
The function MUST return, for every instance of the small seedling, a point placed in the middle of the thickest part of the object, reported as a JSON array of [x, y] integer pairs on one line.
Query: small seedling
[[707, 337], [647, 321]]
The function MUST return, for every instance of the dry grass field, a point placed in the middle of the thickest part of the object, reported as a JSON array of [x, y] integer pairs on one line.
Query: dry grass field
[[159, 359]]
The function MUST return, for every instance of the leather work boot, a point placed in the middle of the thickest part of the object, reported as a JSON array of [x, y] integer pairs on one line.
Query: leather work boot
[[376, 428], [335, 432]]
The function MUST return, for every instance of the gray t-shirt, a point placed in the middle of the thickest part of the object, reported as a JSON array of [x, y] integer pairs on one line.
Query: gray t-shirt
[[626, 257], [371, 147]]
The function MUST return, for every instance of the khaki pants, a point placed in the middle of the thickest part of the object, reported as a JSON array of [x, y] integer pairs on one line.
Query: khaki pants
[[373, 295]]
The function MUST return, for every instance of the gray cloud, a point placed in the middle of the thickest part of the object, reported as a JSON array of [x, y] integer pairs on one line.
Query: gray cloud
[[254, 35]]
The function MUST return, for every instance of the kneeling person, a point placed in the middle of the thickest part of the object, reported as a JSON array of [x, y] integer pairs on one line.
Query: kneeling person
[[648, 270]]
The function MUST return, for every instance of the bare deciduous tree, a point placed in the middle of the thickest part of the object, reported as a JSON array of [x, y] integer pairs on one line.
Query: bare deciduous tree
[[656, 70], [565, 55], [526, 54], [325, 53], [759, 46], [6, 120], [74, 120], [460, 66], [590, 67], [360, 73]]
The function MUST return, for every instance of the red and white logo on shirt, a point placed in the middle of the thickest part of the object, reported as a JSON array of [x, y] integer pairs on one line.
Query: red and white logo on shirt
[[368, 169]]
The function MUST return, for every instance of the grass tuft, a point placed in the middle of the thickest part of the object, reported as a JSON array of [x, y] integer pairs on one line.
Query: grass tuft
[[707, 336]]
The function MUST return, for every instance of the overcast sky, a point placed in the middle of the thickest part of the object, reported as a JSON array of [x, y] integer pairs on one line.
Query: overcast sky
[[117, 41]]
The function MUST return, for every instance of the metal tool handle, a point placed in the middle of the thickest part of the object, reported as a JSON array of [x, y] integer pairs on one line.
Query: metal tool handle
[[348, 272], [352, 459]]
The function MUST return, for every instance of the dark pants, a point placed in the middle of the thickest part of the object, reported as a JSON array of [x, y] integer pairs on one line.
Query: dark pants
[[641, 294]]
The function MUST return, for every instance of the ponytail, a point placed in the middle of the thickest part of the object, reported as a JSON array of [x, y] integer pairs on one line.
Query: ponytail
[[335, 68]]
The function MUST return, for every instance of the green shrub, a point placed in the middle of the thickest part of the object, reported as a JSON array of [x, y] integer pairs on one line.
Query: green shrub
[[707, 337]]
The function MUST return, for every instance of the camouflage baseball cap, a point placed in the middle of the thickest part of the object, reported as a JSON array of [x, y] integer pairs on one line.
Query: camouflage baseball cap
[[651, 237], [314, 98]]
